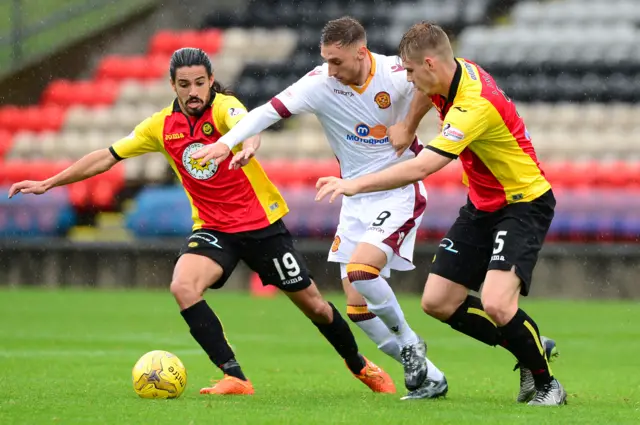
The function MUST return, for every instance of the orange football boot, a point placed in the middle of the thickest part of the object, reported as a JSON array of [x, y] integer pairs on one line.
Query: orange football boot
[[375, 378], [229, 385]]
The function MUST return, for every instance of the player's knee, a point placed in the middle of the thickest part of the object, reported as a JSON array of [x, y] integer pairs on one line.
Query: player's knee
[[319, 312], [498, 310], [437, 308], [186, 291]]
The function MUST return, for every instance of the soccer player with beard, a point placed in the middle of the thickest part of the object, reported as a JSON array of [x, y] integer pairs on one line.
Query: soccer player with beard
[[237, 215]]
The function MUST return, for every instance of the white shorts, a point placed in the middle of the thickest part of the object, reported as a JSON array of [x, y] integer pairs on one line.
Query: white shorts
[[388, 220]]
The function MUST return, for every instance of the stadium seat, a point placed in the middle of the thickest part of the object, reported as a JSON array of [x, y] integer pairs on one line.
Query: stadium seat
[[6, 142], [50, 214], [90, 93], [166, 42], [118, 68]]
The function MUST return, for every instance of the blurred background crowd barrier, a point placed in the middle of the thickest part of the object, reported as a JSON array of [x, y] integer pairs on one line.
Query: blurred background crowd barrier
[[76, 75]]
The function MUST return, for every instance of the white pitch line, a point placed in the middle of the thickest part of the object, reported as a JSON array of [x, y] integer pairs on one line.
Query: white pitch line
[[8, 354]]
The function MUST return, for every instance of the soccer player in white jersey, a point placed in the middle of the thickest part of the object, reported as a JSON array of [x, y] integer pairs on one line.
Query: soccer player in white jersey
[[364, 103]]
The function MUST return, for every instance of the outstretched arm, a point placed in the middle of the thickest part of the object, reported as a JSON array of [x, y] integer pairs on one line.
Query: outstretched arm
[[402, 174], [461, 127], [296, 99], [94, 163], [253, 123]]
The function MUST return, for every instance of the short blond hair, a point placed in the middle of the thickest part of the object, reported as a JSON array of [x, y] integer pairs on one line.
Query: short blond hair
[[423, 37]]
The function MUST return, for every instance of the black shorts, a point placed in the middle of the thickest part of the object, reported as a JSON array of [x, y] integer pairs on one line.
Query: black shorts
[[269, 252], [479, 241]]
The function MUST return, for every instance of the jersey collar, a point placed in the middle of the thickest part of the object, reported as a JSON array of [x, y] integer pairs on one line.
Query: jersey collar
[[363, 87], [455, 83]]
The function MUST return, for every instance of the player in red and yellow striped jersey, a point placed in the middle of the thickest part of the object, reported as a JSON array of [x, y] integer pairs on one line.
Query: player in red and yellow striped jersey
[[237, 216], [497, 237]]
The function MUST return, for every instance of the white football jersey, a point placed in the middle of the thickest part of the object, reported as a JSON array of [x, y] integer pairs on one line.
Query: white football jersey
[[355, 119]]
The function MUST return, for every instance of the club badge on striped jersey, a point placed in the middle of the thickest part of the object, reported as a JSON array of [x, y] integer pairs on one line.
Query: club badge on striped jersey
[[193, 166]]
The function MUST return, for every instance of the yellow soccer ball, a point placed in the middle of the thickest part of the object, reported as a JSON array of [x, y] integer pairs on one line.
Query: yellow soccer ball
[[159, 374]]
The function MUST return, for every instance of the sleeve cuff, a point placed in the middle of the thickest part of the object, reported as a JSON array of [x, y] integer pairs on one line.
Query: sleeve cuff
[[441, 152], [115, 155]]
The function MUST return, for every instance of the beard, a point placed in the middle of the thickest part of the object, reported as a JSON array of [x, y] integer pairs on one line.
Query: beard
[[195, 109]]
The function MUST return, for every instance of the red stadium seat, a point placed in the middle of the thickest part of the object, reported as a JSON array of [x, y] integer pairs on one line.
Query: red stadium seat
[[103, 195], [581, 174], [617, 174], [14, 171], [610, 174], [10, 118], [32, 118], [56, 91], [6, 142], [52, 117], [209, 40], [278, 171], [104, 187], [114, 68], [41, 118], [94, 93], [306, 172], [89, 93], [166, 42], [118, 68], [451, 175], [157, 67], [571, 174], [79, 194], [633, 171], [553, 171]]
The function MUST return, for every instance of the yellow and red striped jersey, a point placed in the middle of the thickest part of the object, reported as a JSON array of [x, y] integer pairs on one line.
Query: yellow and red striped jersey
[[481, 126], [225, 200]]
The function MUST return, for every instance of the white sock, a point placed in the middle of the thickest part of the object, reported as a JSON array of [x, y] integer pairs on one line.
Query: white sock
[[377, 332], [383, 303], [433, 372]]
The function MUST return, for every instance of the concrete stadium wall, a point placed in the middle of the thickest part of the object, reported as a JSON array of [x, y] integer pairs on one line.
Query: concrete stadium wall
[[564, 271]]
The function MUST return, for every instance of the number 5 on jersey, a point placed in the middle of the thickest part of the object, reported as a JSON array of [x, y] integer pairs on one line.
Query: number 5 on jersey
[[499, 246]]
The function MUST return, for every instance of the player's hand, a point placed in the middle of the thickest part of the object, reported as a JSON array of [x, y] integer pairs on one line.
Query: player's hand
[[28, 186], [400, 137], [242, 158], [335, 187], [217, 152]]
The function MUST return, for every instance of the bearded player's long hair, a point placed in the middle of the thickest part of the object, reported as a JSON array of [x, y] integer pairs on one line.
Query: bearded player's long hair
[[189, 56]]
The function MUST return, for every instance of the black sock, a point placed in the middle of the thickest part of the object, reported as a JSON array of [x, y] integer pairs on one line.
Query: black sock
[[470, 319], [522, 338], [340, 336], [206, 329]]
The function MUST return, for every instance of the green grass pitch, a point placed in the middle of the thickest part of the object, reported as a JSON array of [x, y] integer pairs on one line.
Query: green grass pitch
[[66, 358]]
